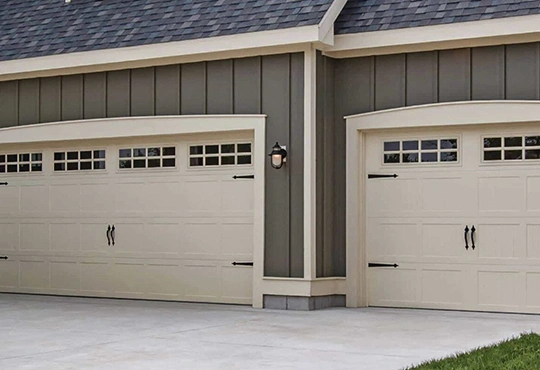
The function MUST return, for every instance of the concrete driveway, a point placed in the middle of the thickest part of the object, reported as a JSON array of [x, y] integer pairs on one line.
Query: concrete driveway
[[39, 332]]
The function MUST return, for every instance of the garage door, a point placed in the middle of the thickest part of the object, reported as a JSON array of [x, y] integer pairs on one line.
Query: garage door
[[161, 218], [461, 221]]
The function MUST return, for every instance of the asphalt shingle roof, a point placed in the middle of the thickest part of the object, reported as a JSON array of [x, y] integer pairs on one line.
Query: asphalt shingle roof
[[376, 15], [33, 28]]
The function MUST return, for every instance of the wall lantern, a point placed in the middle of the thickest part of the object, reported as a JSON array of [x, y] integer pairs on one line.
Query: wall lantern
[[278, 156]]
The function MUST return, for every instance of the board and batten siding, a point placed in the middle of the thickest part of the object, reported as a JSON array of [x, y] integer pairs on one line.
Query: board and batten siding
[[365, 84], [272, 85]]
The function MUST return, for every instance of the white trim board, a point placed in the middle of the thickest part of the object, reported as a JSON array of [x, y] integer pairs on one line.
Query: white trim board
[[447, 36], [169, 125], [211, 48], [424, 116]]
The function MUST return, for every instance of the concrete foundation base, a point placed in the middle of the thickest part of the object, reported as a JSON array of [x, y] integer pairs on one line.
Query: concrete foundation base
[[281, 302]]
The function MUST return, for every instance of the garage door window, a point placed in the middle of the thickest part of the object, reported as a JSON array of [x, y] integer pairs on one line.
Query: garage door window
[[152, 157], [21, 162], [84, 160], [215, 155], [420, 151], [511, 148]]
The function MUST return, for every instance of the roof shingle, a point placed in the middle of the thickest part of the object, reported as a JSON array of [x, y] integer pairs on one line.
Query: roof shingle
[[377, 15], [33, 28]]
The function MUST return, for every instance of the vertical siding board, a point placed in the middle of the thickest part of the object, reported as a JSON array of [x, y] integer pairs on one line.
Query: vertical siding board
[[28, 101], [142, 92], [50, 106], [219, 94], [329, 168], [275, 103], [488, 73], [522, 77], [390, 81], [72, 97], [193, 88], [168, 90], [454, 75], [9, 97], [422, 78], [247, 85], [296, 166], [95, 95], [118, 95], [354, 92], [319, 167]]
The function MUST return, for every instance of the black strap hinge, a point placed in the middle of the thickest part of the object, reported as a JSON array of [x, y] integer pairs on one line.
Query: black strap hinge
[[394, 265], [3, 258], [3, 183], [243, 177], [377, 176], [242, 263]]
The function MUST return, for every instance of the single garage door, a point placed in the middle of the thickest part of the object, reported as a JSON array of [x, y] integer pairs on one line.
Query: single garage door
[[461, 220], [161, 218]]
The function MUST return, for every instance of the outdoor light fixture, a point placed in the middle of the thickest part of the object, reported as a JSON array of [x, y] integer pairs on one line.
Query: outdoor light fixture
[[278, 156]]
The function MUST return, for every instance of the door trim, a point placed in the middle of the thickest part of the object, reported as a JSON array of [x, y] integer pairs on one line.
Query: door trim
[[167, 125], [430, 115]]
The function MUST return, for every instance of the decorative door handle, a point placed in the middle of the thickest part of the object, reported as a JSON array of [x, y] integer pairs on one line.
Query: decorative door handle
[[109, 235], [113, 234], [473, 229], [466, 240]]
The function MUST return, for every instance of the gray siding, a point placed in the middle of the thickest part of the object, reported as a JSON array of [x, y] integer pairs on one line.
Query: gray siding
[[374, 83], [272, 85]]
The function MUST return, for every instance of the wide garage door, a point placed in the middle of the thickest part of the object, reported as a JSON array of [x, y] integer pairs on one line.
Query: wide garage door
[[156, 218], [461, 220]]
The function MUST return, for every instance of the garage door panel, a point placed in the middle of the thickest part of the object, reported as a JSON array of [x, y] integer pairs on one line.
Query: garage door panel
[[203, 195], [445, 195], [34, 199], [393, 197], [64, 276], [9, 240], [93, 237], [500, 240], [237, 195], [10, 200], [392, 287], [95, 278], [34, 236], [163, 197], [386, 239], [202, 281], [236, 283], [164, 239], [533, 193], [442, 287], [128, 237], [96, 198], [533, 241], [202, 239], [532, 288], [163, 281], [34, 275], [442, 240], [129, 279], [237, 239], [9, 274], [501, 194], [129, 197], [500, 289], [65, 198], [65, 237]]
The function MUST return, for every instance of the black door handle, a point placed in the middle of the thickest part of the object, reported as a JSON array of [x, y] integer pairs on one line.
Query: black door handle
[[109, 235], [466, 240], [113, 234], [473, 229]]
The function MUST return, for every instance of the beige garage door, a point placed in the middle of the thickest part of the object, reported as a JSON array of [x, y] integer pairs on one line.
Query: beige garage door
[[180, 219], [461, 219]]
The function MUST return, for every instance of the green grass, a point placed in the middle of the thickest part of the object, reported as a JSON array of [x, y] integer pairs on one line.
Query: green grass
[[520, 353]]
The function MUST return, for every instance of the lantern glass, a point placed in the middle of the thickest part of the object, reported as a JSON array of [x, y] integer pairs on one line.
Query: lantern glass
[[277, 160]]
